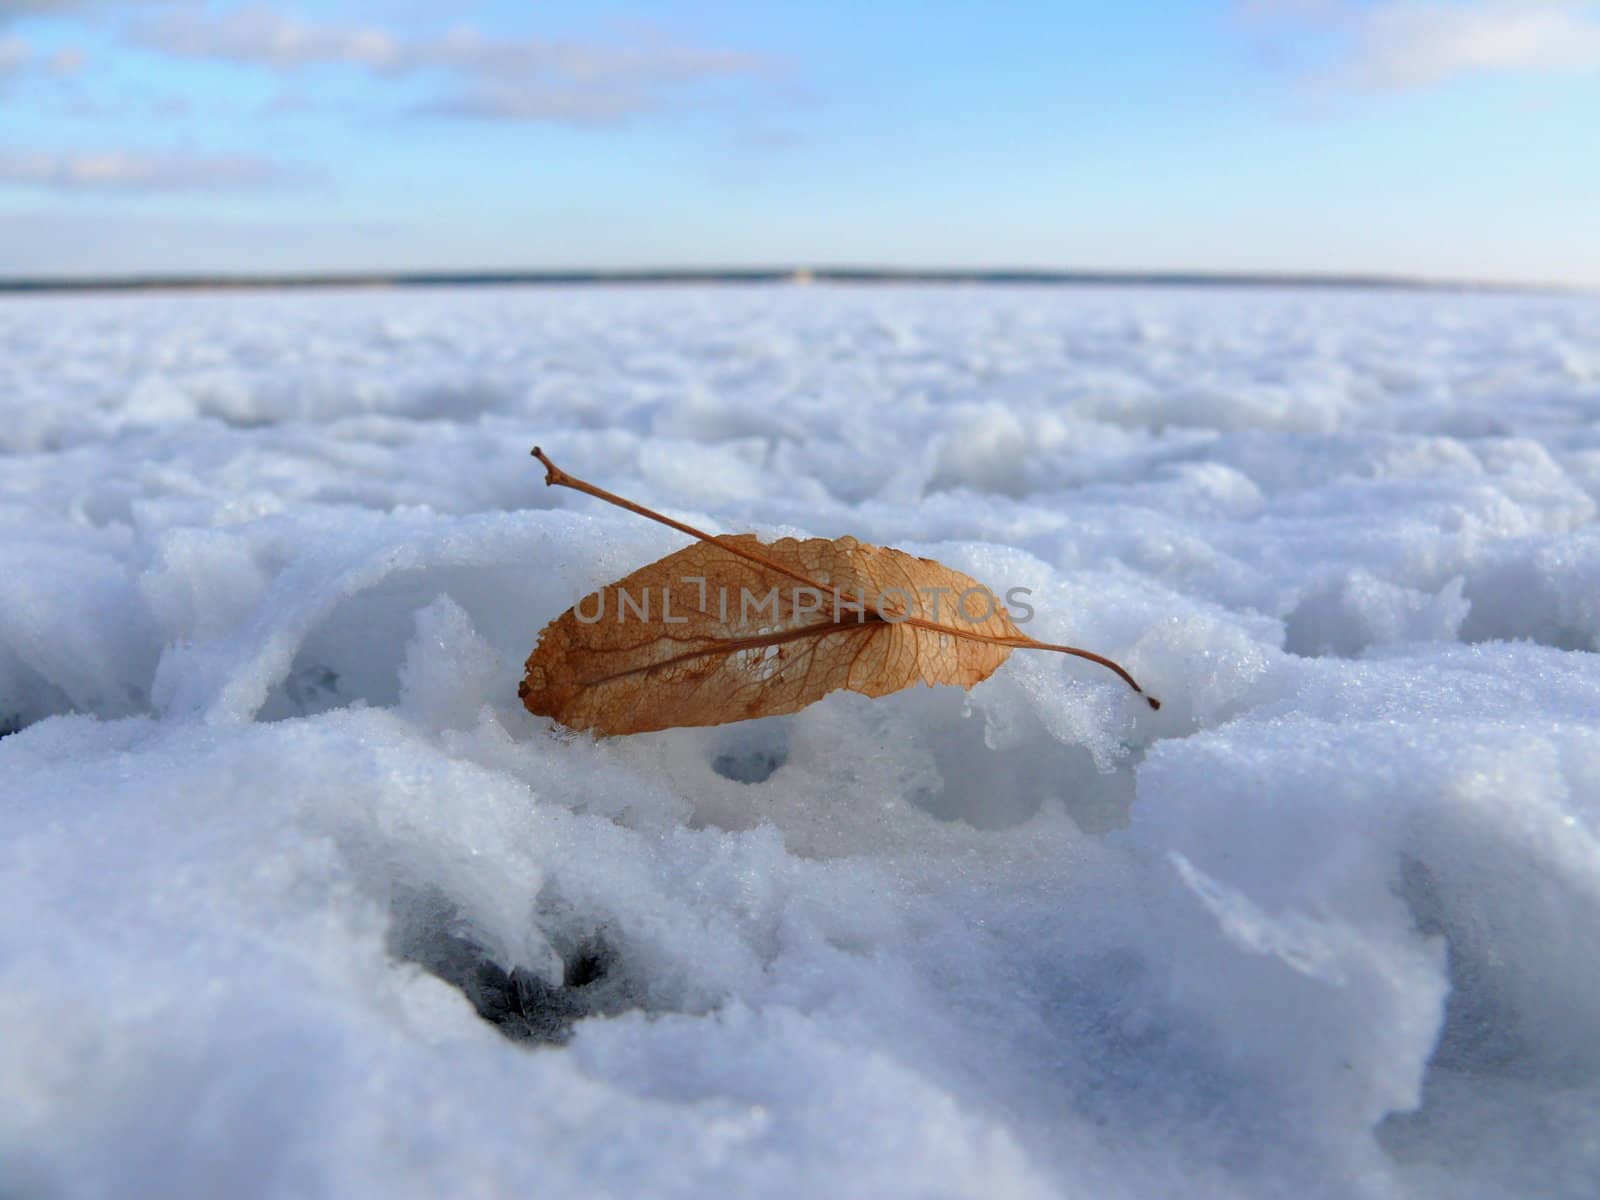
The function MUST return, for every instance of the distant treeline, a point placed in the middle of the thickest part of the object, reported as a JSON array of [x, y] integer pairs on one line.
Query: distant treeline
[[762, 275]]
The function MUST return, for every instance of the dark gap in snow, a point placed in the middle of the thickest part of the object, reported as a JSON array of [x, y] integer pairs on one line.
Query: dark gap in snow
[[312, 689], [1345, 614], [1511, 1137], [1309, 638], [1569, 640], [999, 787], [1488, 1071], [1520, 601], [29, 696], [1479, 1031], [751, 752], [519, 1003], [354, 654], [524, 1007]]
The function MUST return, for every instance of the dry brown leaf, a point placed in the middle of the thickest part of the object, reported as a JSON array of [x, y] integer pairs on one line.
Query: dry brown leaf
[[730, 628]]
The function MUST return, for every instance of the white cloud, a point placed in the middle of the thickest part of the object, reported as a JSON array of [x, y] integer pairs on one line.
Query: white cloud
[[14, 53], [138, 172], [11, 10], [17, 55], [1415, 43], [1410, 44], [68, 60], [267, 37], [512, 100], [512, 78]]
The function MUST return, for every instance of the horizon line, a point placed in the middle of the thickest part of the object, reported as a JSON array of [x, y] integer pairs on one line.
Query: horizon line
[[788, 275]]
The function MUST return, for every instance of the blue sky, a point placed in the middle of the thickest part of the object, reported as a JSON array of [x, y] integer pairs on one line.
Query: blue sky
[[1450, 138]]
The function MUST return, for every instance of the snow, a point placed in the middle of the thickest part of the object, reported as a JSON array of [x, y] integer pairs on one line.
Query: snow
[[276, 829]]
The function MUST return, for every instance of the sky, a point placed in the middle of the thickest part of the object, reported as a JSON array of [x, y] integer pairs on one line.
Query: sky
[[1453, 139]]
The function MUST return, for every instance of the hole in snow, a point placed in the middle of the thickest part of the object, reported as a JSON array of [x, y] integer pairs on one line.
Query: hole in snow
[[354, 654], [519, 1003], [1480, 1018], [524, 1007], [1510, 1057], [751, 753], [1343, 615], [312, 689]]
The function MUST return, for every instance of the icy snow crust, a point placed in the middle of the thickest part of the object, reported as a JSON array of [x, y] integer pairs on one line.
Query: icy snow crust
[[273, 821]]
